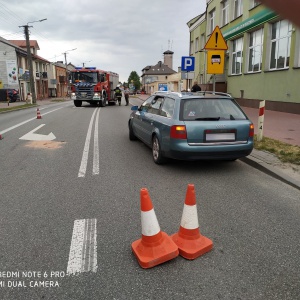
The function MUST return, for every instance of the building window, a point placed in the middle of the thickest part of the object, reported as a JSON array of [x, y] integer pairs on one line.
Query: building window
[[212, 16], [202, 41], [237, 56], [192, 47], [280, 45], [255, 50], [254, 3], [238, 8], [197, 45], [225, 12]]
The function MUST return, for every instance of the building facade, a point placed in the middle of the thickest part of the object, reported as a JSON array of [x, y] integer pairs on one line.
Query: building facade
[[13, 66], [263, 58], [154, 76], [50, 79]]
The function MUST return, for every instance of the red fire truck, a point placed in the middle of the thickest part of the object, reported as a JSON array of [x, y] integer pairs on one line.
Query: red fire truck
[[93, 86]]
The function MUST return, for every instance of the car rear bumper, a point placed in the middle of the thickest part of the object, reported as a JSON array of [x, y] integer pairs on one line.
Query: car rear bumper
[[183, 151]]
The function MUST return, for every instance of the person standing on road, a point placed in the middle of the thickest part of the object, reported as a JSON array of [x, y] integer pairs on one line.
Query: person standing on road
[[196, 87], [126, 94], [118, 94]]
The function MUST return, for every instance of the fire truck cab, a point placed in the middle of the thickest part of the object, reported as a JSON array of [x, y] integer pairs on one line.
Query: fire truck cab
[[93, 86]]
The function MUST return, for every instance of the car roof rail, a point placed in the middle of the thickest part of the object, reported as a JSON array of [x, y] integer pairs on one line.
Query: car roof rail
[[212, 93], [176, 93]]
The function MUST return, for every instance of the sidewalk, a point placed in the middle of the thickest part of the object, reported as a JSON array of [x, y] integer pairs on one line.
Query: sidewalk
[[38, 102]]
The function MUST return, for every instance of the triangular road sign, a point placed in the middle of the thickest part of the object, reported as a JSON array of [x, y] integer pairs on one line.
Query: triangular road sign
[[216, 41]]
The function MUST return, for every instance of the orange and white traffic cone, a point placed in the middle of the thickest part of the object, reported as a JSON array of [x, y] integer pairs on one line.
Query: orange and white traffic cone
[[38, 114], [155, 247], [190, 242]]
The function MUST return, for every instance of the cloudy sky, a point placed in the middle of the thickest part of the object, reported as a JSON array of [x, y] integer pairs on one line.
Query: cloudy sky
[[114, 35]]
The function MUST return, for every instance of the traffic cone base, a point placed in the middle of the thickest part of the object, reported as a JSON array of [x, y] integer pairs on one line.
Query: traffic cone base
[[190, 242], [191, 248], [152, 254]]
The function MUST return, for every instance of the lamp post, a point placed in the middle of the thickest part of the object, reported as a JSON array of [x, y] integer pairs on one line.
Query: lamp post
[[65, 54], [29, 57]]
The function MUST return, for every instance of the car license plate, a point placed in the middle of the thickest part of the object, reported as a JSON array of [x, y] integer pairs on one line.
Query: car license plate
[[220, 135], [83, 94]]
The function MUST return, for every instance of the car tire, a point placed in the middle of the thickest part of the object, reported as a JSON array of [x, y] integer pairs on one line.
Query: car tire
[[78, 103], [156, 151], [132, 136]]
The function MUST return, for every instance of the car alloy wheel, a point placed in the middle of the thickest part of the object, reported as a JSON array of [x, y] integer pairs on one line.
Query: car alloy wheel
[[156, 151]]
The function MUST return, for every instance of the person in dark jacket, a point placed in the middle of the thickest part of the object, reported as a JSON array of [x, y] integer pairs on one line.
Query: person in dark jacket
[[196, 87]]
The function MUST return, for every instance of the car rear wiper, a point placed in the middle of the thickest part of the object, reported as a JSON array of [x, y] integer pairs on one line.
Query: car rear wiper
[[208, 119]]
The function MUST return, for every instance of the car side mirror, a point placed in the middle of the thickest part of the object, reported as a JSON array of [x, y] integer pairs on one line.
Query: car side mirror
[[134, 108]]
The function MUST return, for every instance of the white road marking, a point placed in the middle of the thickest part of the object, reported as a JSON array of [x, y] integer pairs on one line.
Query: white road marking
[[31, 136], [83, 250], [22, 123], [96, 147], [85, 154]]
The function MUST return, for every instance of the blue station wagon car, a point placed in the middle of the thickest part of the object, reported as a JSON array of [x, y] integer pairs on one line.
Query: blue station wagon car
[[192, 126]]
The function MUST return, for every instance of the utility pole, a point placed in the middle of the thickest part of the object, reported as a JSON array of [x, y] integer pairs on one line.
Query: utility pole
[[67, 79], [29, 57]]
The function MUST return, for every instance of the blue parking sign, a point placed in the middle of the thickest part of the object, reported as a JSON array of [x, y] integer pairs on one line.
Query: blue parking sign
[[188, 63]]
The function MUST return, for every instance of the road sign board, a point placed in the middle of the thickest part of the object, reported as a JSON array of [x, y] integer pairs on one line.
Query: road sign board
[[215, 61], [216, 41], [187, 75], [187, 63]]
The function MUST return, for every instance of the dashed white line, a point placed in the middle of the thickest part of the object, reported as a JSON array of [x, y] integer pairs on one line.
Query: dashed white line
[[83, 250]]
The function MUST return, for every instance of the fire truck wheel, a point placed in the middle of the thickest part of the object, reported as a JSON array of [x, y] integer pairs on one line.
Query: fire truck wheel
[[78, 103], [102, 103]]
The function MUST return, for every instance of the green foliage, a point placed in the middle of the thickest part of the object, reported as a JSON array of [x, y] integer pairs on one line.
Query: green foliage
[[285, 152], [134, 79]]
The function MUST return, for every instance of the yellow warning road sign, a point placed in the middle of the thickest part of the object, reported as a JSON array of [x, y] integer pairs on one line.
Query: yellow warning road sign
[[216, 41], [215, 61]]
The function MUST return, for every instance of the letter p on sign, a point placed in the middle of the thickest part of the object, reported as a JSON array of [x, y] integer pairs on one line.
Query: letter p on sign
[[187, 63]]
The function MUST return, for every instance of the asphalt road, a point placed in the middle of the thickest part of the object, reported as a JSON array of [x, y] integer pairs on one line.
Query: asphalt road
[[84, 187]]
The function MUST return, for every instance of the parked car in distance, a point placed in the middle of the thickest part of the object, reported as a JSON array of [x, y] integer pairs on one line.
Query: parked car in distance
[[12, 94], [192, 126]]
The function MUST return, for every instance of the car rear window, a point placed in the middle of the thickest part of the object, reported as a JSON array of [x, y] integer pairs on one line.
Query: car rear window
[[210, 109]]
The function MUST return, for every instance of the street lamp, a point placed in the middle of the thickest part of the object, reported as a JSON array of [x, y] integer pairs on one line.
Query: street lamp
[[29, 57], [65, 54]]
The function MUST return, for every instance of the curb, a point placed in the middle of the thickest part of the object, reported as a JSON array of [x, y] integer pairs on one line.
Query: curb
[[270, 170]]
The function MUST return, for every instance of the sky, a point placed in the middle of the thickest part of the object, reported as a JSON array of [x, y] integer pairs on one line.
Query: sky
[[113, 35]]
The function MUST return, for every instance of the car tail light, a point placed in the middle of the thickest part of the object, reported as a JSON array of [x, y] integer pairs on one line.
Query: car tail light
[[178, 132], [251, 130]]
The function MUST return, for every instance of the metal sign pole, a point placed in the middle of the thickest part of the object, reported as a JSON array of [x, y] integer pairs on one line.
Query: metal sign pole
[[187, 81], [214, 83]]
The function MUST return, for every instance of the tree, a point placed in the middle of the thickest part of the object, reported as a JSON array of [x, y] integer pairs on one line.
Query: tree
[[134, 79]]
